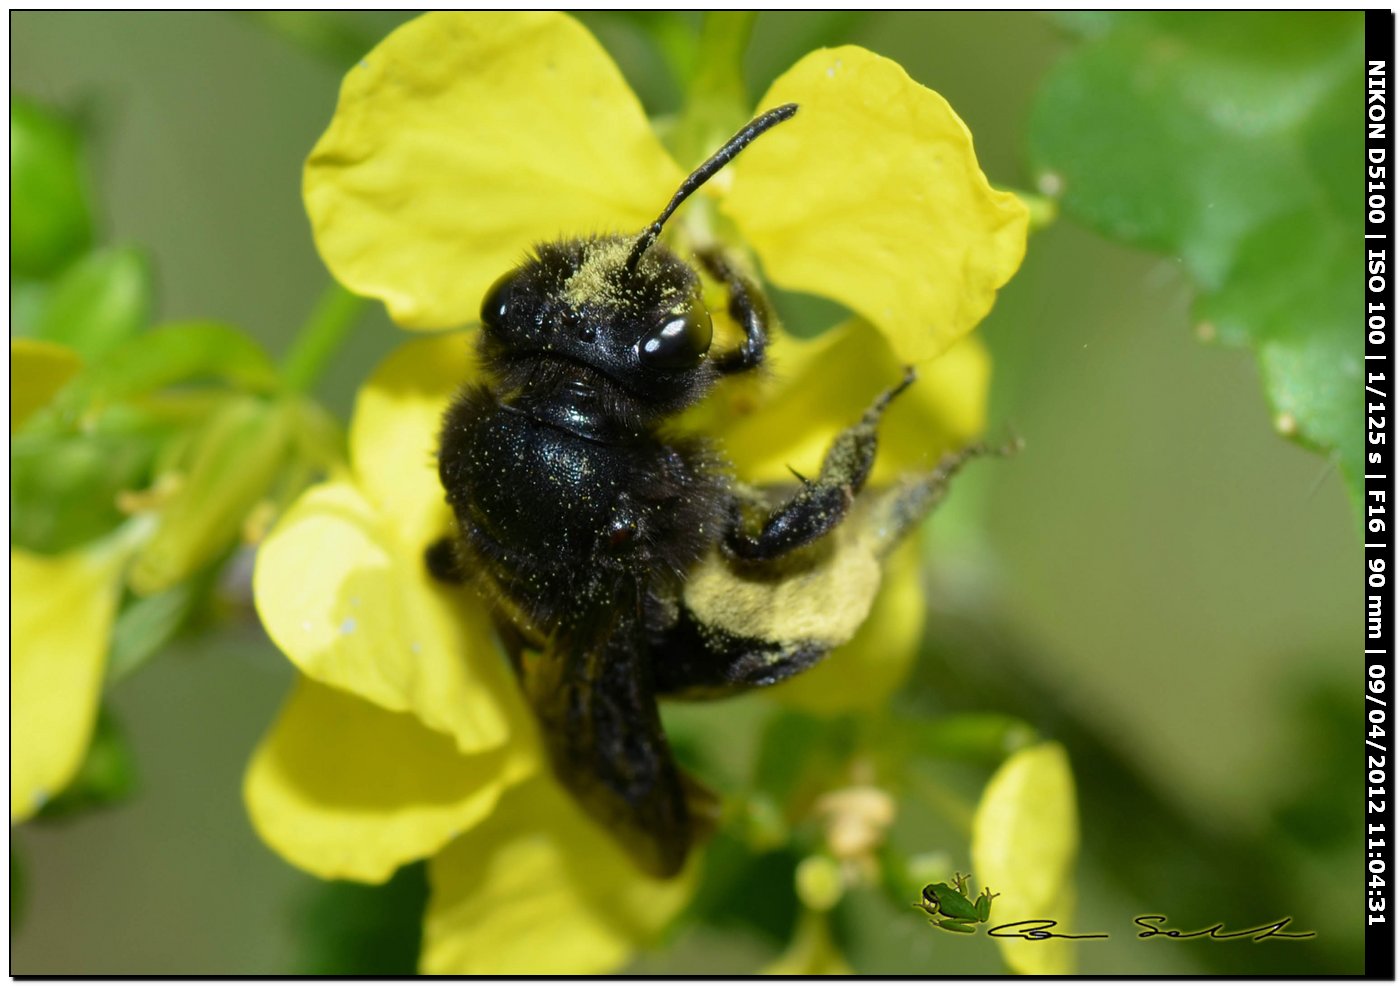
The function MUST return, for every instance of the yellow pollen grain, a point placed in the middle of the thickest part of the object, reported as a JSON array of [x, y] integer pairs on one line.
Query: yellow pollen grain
[[595, 280]]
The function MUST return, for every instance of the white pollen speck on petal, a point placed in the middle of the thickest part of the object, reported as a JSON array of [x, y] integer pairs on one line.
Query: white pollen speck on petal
[[355, 602], [348, 626], [416, 647], [306, 625]]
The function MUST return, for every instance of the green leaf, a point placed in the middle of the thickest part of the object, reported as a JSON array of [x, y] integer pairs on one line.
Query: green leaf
[[63, 487], [349, 929], [1231, 141], [50, 221], [182, 352], [740, 888], [65, 479], [1025, 836], [98, 303], [146, 624], [800, 753], [987, 737], [27, 299], [107, 776]]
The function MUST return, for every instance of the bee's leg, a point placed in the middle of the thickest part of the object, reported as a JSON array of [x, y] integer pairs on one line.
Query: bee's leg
[[694, 659], [747, 307], [444, 563], [821, 503], [695, 662]]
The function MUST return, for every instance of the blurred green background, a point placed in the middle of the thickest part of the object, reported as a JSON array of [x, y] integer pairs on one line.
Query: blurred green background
[[1158, 580]]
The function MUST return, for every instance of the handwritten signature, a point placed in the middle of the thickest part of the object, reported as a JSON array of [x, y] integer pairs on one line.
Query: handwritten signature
[[1040, 929]]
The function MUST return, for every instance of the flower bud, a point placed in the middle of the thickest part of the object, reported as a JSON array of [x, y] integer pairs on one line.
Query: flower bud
[[227, 470], [819, 882]]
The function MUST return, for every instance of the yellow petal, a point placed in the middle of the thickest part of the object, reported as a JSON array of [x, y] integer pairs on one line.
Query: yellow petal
[[539, 889], [872, 195], [353, 611], [62, 609], [822, 386], [37, 370], [346, 790], [1025, 836], [394, 434], [862, 674], [462, 140]]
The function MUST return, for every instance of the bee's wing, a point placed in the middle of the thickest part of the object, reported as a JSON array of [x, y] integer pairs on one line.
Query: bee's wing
[[596, 703]]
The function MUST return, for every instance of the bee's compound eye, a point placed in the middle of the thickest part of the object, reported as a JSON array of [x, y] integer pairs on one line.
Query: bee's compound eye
[[495, 307], [679, 342]]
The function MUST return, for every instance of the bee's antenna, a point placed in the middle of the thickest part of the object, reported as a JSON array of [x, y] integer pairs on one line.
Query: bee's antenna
[[706, 171]]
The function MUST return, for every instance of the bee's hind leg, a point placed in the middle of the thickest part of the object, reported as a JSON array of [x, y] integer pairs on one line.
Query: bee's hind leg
[[821, 503], [692, 661]]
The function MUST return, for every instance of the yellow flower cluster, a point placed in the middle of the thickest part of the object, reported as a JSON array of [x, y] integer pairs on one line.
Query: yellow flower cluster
[[459, 142]]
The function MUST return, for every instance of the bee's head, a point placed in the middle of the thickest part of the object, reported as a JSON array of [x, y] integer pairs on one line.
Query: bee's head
[[621, 310], [643, 328]]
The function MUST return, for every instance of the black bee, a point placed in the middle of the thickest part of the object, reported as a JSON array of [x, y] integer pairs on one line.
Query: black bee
[[581, 516]]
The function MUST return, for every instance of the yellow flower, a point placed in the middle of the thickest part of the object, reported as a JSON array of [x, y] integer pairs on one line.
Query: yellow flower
[[406, 737], [458, 143], [1025, 836], [67, 586], [463, 139], [64, 606]]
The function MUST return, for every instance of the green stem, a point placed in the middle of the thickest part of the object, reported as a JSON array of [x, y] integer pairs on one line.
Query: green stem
[[717, 101], [319, 337], [1044, 209]]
